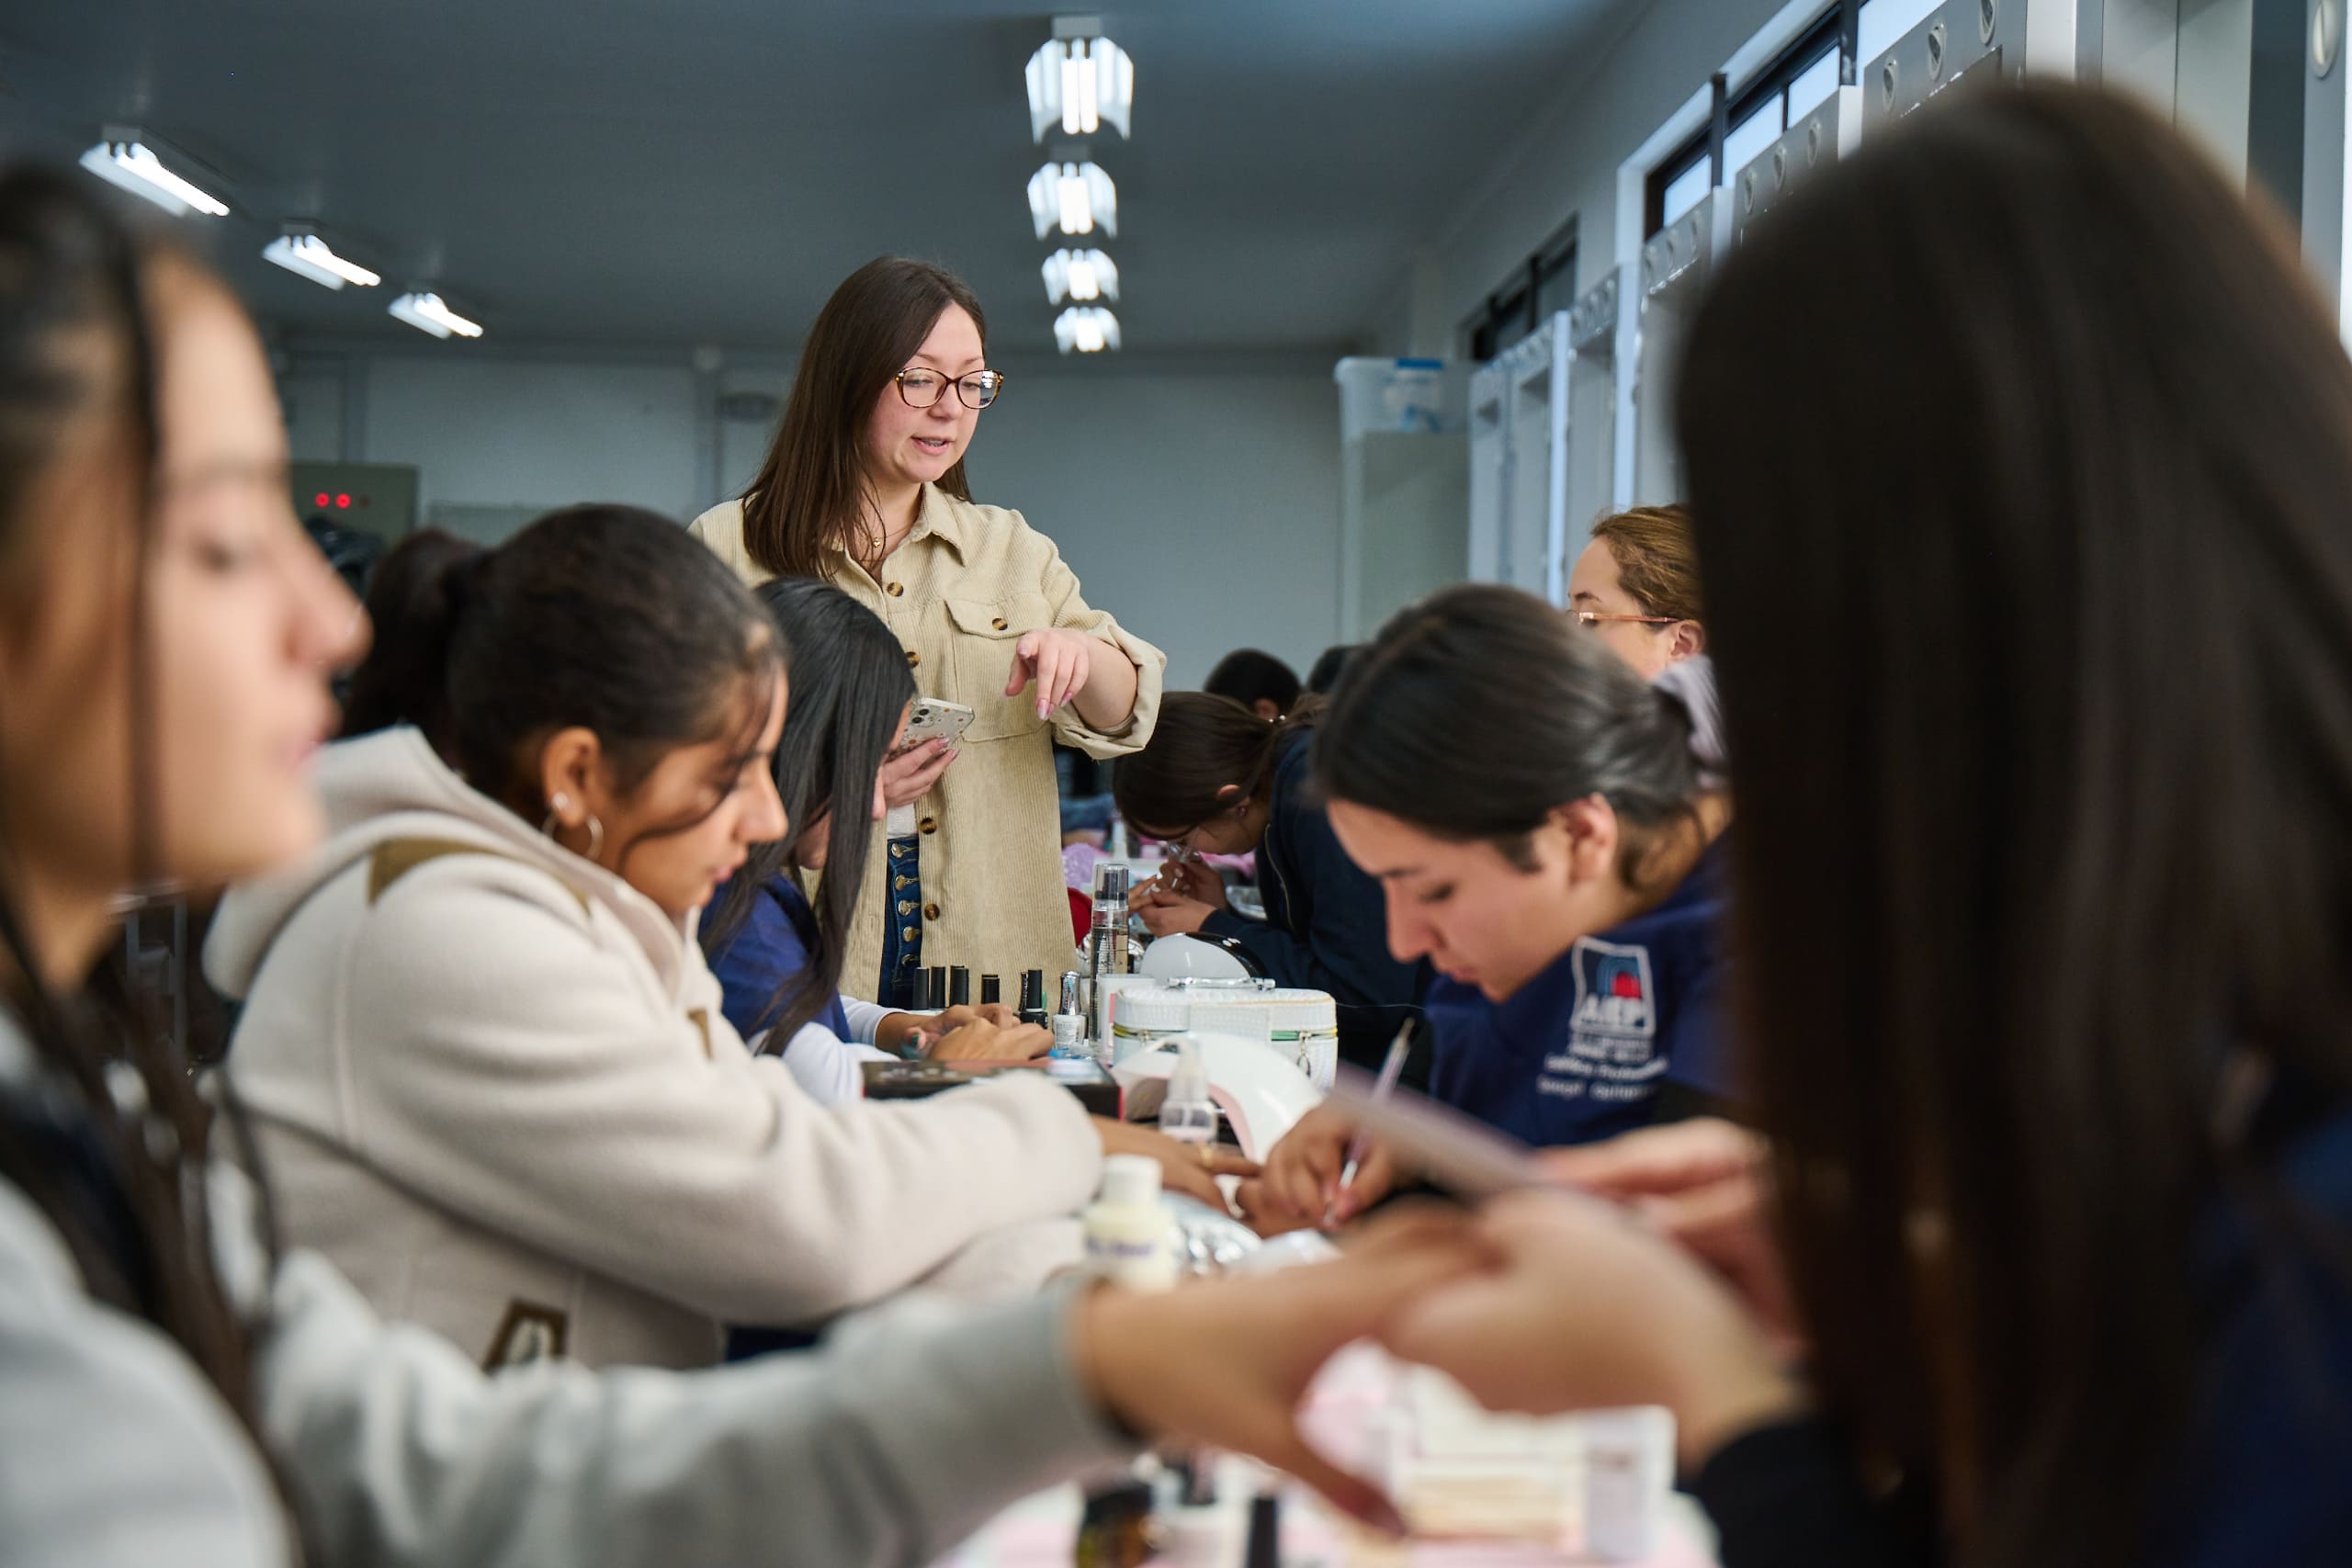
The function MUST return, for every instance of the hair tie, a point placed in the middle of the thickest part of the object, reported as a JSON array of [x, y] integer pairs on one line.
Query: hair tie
[[1691, 682]]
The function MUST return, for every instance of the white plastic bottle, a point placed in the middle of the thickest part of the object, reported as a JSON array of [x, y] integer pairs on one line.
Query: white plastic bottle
[[1188, 1114], [1127, 1239]]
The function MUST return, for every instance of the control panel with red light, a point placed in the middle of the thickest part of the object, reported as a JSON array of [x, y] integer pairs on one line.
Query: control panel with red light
[[372, 498]]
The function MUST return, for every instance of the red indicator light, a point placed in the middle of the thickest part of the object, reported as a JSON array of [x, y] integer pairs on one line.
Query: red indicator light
[[320, 499], [343, 502]]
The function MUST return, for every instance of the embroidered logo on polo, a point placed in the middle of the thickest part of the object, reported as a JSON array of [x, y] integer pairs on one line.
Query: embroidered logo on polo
[[1615, 994], [1610, 1053]]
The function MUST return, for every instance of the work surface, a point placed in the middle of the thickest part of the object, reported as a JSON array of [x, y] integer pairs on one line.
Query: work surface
[[1351, 1414]]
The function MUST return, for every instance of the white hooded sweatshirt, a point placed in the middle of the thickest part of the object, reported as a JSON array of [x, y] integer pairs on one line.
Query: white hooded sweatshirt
[[492, 1083], [911, 1426]]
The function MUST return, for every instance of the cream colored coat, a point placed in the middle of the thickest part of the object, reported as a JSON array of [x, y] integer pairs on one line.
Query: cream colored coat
[[959, 592], [495, 1086], [911, 1426]]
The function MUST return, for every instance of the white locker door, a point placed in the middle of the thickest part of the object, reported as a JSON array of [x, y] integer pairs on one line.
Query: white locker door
[[1490, 462], [2327, 159], [1538, 412], [1675, 264], [1589, 480]]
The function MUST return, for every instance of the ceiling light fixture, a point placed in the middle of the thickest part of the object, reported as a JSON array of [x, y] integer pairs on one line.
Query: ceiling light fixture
[[124, 160], [1081, 275], [1074, 198], [427, 313], [1087, 329], [299, 251], [1080, 80]]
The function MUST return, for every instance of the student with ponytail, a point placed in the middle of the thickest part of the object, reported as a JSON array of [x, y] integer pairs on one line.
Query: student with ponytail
[[1216, 778], [479, 1038], [1550, 844]]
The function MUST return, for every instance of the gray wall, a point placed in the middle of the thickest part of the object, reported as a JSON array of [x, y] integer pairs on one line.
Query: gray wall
[[1562, 160], [1197, 500]]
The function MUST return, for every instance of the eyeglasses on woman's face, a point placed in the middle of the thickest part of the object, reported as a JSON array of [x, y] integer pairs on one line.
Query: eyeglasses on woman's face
[[1589, 618], [920, 387]]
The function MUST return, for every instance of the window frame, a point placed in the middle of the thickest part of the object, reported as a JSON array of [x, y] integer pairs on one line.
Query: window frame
[[1516, 302], [1823, 38]]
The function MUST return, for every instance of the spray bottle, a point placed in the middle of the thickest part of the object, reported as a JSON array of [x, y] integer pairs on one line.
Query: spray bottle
[[1188, 1114]]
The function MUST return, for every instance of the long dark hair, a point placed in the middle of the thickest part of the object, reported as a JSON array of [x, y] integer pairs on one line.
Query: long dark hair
[[812, 492], [2034, 640], [1479, 711], [609, 617], [1201, 744], [77, 345], [850, 686]]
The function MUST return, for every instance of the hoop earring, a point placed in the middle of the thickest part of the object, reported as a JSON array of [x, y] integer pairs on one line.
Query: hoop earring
[[596, 829]]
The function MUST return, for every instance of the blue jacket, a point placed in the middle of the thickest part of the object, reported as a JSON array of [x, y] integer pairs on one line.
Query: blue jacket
[[2262, 1475], [763, 955], [1578, 1053], [1326, 922], [2256, 1477]]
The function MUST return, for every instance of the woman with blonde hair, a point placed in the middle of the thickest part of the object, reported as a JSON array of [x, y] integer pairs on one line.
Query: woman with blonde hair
[[1636, 586]]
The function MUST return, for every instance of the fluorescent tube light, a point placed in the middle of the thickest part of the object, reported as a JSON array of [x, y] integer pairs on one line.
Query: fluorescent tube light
[[1077, 198], [1081, 275], [1085, 330], [427, 313], [123, 160], [313, 258], [1080, 82]]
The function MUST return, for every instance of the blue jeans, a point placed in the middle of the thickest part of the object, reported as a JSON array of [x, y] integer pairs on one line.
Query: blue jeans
[[901, 985]]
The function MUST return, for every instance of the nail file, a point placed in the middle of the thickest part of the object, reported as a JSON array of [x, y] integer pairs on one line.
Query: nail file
[[1456, 1152]]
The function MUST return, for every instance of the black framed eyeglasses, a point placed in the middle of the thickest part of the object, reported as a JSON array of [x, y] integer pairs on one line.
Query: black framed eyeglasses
[[920, 387]]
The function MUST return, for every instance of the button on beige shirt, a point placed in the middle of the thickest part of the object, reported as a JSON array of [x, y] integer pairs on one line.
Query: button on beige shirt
[[959, 592]]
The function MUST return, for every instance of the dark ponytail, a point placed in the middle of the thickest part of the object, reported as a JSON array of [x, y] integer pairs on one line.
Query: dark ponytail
[[611, 618], [1479, 711], [1201, 744], [413, 600], [114, 1160], [850, 685]]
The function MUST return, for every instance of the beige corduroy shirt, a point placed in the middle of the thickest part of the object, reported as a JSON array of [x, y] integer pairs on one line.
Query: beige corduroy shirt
[[959, 592]]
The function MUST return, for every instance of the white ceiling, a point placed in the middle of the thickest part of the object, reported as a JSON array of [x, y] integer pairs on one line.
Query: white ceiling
[[648, 174]]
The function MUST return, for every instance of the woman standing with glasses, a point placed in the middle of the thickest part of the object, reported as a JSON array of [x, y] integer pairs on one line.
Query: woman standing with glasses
[[1637, 586], [864, 488]]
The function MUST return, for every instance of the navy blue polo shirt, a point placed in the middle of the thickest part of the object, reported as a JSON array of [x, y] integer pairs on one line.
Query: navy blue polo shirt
[[1578, 1053], [763, 955], [1327, 921]]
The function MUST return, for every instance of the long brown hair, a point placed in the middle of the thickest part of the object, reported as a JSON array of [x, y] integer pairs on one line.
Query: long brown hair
[[812, 492], [77, 343], [2025, 884]]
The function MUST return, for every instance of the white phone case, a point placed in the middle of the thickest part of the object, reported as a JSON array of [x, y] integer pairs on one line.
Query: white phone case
[[936, 719]]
